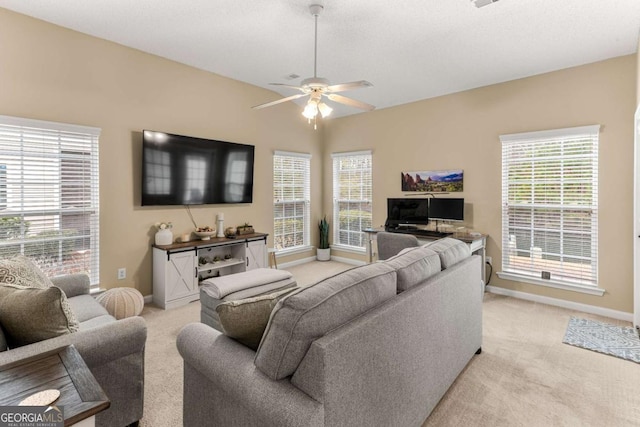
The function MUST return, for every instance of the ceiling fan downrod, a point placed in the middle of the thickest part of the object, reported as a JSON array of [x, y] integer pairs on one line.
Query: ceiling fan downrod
[[316, 10]]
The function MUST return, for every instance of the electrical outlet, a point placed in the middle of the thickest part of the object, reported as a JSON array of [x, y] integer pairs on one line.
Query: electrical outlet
[[122, 273], [489, 260]]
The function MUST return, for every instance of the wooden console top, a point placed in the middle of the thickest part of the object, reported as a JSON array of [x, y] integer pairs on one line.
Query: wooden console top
[[211, 241]]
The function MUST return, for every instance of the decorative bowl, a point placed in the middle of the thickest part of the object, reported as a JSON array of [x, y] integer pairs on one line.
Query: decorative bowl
[[205, 235]]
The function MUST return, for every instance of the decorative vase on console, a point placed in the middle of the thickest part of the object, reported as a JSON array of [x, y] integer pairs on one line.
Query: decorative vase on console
[[164, 236]]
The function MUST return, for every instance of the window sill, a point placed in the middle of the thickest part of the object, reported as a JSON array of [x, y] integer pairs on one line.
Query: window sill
[[349, 249], [293, 251], [585, 289]]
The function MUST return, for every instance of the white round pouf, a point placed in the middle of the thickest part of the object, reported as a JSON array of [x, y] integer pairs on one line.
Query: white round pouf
[[122, 302]]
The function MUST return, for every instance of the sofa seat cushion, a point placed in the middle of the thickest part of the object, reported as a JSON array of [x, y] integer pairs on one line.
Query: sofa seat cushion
[[311, 312], [451, 251], [86, 307], [94, 322], [21, 271], [30, 315], [246, 319], [414, 266]]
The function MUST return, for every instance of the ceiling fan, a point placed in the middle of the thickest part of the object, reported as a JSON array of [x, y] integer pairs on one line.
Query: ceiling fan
[[317, 87]]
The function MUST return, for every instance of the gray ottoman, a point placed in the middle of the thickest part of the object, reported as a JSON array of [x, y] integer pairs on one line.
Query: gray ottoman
[[253, 283]]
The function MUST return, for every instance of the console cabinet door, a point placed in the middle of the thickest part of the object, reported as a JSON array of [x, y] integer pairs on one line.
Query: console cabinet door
[[181, 278], [256, 254]]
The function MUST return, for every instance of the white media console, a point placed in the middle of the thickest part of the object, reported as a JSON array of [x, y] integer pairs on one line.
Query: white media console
[[179, 268]]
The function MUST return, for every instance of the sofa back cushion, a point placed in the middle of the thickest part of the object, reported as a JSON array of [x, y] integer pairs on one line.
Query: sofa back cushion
[[414, 266], [451, 251], [311, 312], [29, 315]]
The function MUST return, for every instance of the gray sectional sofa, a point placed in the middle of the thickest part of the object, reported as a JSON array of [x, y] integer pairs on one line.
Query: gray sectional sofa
[[112, 349], [377, 345]]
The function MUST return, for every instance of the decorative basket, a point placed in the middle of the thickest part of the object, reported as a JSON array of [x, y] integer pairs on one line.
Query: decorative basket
[[245, 230]]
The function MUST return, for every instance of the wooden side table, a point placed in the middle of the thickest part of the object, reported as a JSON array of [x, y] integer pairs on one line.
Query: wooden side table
[[62, 369]]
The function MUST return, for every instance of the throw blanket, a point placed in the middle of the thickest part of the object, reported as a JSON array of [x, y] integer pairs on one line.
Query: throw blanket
[[219, 287]]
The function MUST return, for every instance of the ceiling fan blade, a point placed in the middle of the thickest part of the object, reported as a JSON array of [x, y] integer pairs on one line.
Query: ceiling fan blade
[[289, 86], [350, 102], [348, 86], [288, 98]]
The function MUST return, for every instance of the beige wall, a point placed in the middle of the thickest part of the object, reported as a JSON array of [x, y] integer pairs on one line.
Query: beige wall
[[51, 73], [461, 131]]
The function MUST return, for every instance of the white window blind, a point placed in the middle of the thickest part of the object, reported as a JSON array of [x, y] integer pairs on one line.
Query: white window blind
[[550, 205], [49, 195], [352, 194], [291, 200]]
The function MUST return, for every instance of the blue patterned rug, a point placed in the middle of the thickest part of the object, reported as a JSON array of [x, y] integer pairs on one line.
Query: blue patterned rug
[[618, 341]]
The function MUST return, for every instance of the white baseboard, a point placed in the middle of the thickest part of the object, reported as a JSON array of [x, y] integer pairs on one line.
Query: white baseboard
[[296, 262], [148, 299], [600, 311], [310, 259], [347, 260]]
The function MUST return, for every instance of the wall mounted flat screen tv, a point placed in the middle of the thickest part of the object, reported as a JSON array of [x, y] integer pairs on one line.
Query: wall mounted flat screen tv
[[446, 209], [407, 212], [183, 170]]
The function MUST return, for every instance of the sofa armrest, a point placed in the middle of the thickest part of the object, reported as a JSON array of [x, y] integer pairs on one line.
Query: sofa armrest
[[97, 346], [228, 366], [72, 284]]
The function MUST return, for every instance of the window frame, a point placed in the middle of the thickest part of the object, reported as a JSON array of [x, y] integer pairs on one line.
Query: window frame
[[304, 202], [69, 161], [561, 213], [366, 199]]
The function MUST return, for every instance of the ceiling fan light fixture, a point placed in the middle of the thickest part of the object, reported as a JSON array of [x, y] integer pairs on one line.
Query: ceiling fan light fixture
[[311, 109], [325, 110]]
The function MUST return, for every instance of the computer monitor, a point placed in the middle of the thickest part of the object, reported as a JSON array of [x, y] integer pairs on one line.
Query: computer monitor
[[407, 212], [448, 209]]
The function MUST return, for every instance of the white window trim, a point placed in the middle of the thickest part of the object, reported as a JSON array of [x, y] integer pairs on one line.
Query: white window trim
[[307, 232], [592, 131], [94, 133], [337, 246], [349, 249], [585, 289]]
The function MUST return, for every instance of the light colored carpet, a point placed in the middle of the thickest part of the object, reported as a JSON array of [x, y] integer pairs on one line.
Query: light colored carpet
[[525, 376]]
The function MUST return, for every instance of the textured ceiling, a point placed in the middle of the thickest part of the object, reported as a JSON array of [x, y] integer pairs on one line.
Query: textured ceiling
[[408, 49]]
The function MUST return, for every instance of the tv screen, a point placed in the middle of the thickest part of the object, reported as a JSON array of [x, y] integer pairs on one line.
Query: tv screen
[[183, 170], [447, 209], [407, 212]]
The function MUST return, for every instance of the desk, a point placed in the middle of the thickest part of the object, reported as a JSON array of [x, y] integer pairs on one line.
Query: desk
[[477, 244], [62, 369]]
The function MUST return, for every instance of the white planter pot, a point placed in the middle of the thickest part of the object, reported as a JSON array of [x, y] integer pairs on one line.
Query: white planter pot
[[323, 254], [164, 237]]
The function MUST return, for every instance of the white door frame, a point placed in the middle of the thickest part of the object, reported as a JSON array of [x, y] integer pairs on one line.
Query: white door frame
[[636, 221]]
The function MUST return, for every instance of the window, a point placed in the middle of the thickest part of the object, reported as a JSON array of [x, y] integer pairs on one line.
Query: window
[[291, 200], [49, 195], [550, 207], [351, 199]]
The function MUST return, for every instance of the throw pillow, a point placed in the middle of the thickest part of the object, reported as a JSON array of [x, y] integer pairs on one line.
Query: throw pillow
[[315, 310], [30, 315], [245, 320], [21, 271]]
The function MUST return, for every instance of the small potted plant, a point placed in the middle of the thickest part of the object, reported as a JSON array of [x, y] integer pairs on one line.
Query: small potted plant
[[323, 253]]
